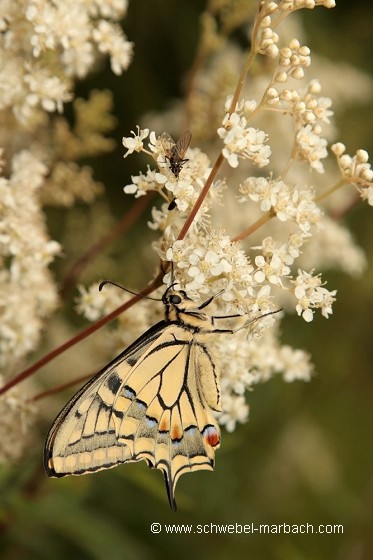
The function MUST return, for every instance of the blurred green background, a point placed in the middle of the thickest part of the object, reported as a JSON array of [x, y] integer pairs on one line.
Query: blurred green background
[[306, 454]]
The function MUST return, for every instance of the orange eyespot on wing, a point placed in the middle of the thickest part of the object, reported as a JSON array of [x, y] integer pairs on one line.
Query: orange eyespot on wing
[[212, 436]]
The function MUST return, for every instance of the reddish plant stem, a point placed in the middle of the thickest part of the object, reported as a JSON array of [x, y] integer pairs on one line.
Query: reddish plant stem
[[251, 229], [200, 199], [96, 248], [80, 336], [340, 213], [60, 388]]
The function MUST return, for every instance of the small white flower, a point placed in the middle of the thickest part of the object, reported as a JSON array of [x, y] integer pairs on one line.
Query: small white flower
[[183, 192], [46, 90], [142, 184], [111, 40], [311, 147], [287, 201], [260, 189], [135, 144], [241, 141], [311, 295]]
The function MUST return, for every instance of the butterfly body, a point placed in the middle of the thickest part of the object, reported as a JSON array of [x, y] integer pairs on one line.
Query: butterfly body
[[154, 402]]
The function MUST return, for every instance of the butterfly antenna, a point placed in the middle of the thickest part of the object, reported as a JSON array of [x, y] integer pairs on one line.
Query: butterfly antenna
[[104, 282], [270, 313]]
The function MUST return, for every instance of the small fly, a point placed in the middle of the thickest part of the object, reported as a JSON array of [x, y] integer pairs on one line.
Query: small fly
[[175, 151]]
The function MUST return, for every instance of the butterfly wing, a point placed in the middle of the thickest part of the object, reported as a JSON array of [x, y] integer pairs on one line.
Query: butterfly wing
[[153, 402], [85, 427]]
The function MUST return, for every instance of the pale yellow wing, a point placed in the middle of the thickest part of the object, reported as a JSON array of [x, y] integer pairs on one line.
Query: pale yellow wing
[[82, 437], [153, 403]]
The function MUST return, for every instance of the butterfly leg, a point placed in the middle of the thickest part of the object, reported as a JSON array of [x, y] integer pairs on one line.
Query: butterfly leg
[[246, 324], [208, 301]]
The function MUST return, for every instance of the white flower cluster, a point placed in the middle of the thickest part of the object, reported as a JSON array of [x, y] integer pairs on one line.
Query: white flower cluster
[[305, 105], [311, 147], [271, 14], [309, 110], [311, 295], [93, 303], [310, 107], [206, 260], [274, 262], [234, 409], [17, 416], [27, 292], [209, 256], [241, 140], [247, 361], [110, 40], [44, 43], [287, 202], [356, 170], [182, 189]]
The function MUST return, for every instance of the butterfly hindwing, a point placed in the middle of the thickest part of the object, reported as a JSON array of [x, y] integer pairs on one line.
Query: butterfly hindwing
[[152, 403]]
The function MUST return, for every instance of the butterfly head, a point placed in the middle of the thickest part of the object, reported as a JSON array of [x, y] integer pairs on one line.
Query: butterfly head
[[176, 302]]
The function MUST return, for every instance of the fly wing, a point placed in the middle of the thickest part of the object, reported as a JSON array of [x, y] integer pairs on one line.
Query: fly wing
[[168, 144], [183, 144]]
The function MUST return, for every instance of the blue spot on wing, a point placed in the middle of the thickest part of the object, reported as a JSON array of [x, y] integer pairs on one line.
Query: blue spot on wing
[[128, 392]]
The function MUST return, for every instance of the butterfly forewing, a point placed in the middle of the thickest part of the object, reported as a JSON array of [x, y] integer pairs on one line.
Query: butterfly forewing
[[151, 403], [87, 422]]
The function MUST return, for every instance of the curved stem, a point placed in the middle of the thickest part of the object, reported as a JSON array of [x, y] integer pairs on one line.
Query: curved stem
[[200, 199], [241, 80], [256, 225], [80, 336], [96, 248], [247, 65], [200, 55], [331, 190], [220, 159], [60, 388]]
